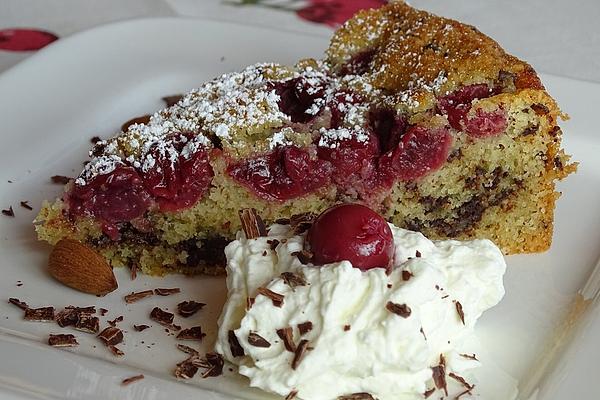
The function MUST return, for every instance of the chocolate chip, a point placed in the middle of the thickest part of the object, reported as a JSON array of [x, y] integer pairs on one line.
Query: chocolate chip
[[43, 314], [399, 309], [234, 345], [194, 333], [132, 379], [286, 335], [276, 298], [300, 353], [25, 204], [8, 212], [137, 296], [166, 292], [293, 279], [252, 224], [60, 179], [188, 308], [254, 339], [62, 340], [305, 327], [111, 336]]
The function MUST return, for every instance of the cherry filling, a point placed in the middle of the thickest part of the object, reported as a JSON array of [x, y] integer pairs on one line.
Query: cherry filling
[[171, 181], [420, 151], [388, 126], [282, 174], [354, 233], [457, 105], [111, 198], [299, 98], [359, 64]]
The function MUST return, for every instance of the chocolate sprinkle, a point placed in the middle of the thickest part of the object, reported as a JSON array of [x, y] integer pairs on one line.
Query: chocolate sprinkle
[[304, 256], [21, 304], [460, 311], [132, 379], [25, 204], [140, 328], [276, 298], [166, 292], [111, 336], [305, 327], [399, 309], [293, 280], [189, 308], [172, 100], [115, 321], [194, 333], [357, 396], [287, 336], [43, 314], [60, 179], [252, 224], [234, 345], [62, 340], [9, 212], [254, 339], [300, 353], [137, 296], [406, 275]]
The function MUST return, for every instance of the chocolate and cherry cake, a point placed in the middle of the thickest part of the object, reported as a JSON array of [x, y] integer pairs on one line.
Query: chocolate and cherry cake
[[422, 118]]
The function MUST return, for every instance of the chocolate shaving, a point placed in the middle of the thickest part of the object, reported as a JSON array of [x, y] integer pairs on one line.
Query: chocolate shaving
[[460, 311], [194, 333], [304, 256], [9, 212], [305, 327], [287, 336], [67, 317], [134, 269], [60, 179], [423, 333], [186, 369], [115, 321], [428, 393], [95, 139], [250, 302], [276, 298], [399, 309], [461, 380], [189, 308], [132, 379], [82, 310], [252, 224], [172, 100], [43, 314], [187, 349], [467, 391], [300, 223], [254, 339], [469, 356], [144, 119], [282, 221], [116, 351], [291, 395], [137, 296], [25, 204], [347, 328], [166, 292], [164, 318], [213, 363], [357, 396], [87, 323], [21, 304], [418, 254], [439, 375], [62, 340], [140, 328], [293, 280], [273, 243], [103, 311], [406, 275], [111, 336], [300, 353], [234, 345]]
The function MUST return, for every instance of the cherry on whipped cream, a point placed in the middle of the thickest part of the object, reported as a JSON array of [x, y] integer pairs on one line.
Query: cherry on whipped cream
[[351, 232]]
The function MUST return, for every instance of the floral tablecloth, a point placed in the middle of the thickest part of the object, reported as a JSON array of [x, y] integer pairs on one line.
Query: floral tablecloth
[[555, 36]]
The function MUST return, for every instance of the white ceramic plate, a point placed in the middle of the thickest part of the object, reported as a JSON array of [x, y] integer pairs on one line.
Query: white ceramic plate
[[88, 84]]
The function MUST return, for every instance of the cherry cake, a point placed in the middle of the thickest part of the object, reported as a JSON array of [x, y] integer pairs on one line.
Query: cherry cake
[[421, 118]]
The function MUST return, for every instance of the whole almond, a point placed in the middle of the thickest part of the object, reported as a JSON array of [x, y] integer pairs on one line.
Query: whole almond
[[76, 265]]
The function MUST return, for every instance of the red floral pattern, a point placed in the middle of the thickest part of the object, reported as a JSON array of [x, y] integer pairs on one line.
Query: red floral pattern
[[25, 39], [335, 12]]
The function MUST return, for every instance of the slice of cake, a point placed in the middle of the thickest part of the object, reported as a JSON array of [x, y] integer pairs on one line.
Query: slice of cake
[[422, 118]]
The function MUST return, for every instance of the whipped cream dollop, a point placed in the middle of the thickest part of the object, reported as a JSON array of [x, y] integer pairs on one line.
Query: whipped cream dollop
[[388, 334]]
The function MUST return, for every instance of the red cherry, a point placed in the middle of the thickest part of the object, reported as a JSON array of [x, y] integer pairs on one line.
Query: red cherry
[[351, 232]]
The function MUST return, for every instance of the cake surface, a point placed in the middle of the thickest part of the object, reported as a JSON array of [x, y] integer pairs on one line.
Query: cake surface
[[422, 118]]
